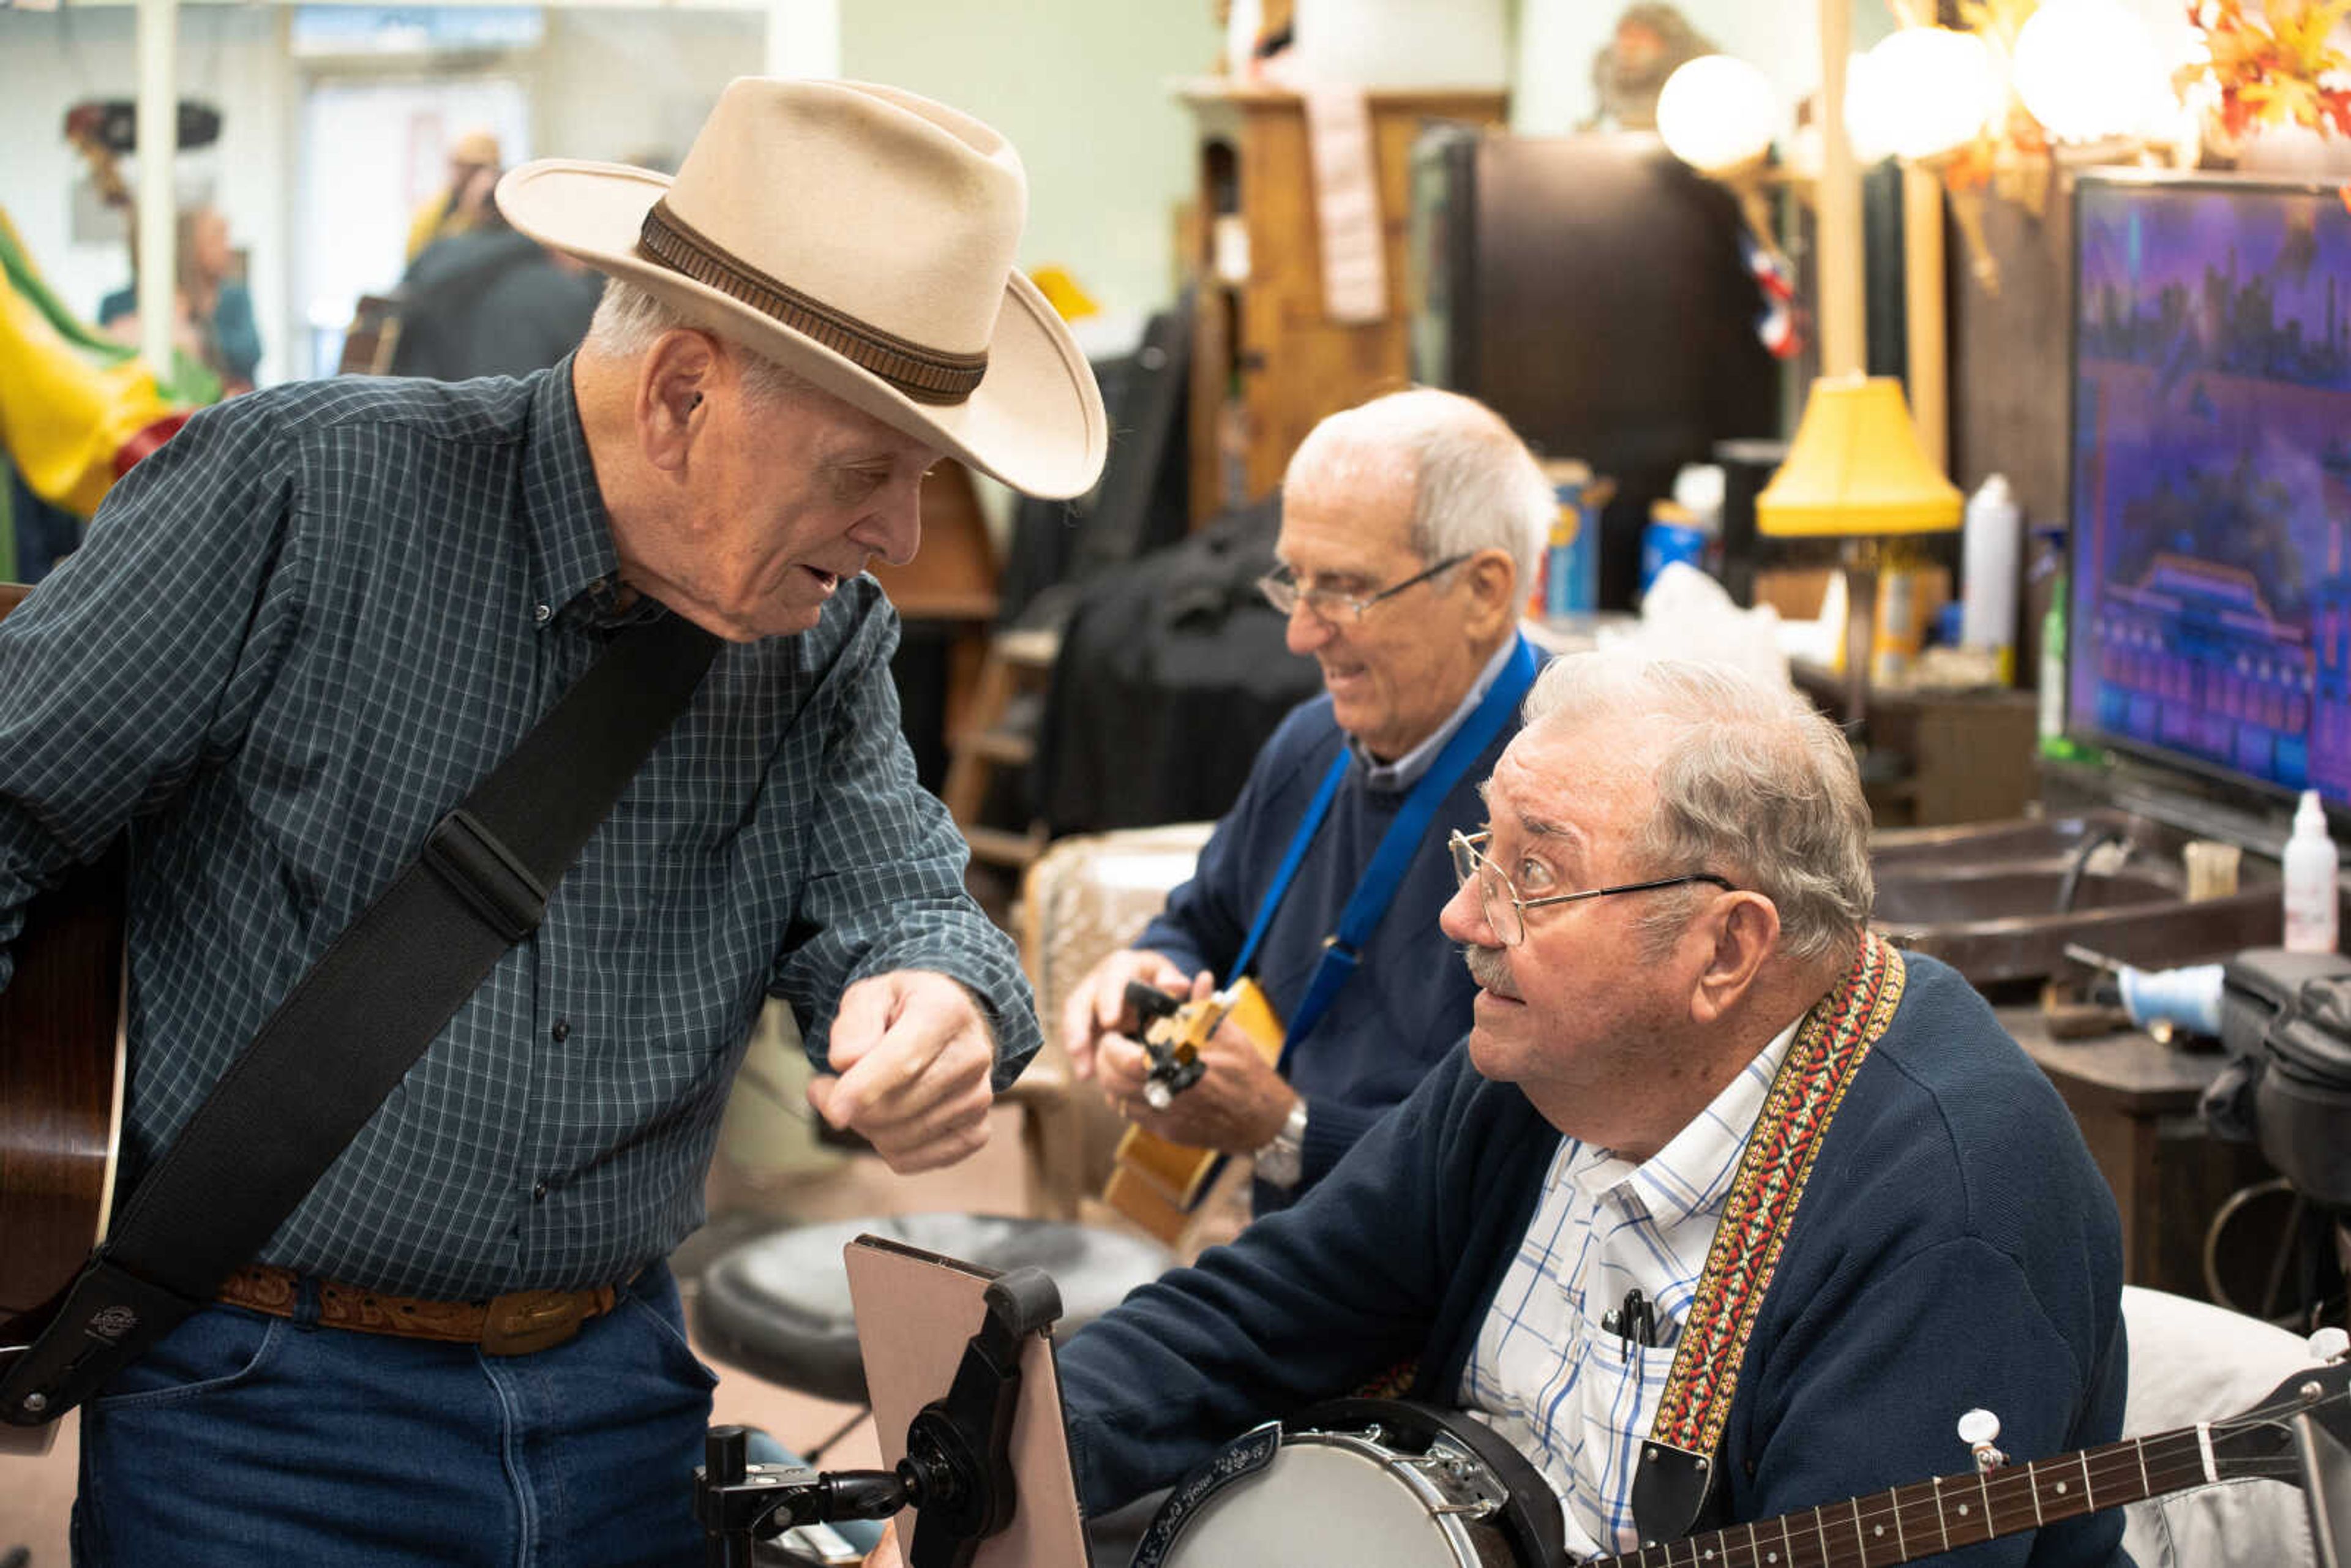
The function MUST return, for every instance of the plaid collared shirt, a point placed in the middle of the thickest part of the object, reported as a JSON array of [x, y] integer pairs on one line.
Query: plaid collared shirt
[[297, 636], [1575, 1398]]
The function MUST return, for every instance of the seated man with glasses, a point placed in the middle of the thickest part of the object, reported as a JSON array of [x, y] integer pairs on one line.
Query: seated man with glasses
[[1721, 1191], [1409, 528]]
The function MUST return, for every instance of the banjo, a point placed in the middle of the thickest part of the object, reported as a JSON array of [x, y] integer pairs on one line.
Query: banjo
[[1377, 1483]]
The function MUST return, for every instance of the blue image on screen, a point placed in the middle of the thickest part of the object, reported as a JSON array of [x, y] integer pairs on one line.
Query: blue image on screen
[[2209, 612]]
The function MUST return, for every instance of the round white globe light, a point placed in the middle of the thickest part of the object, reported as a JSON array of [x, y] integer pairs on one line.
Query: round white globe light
[[1717, 112], [1921, 92], [1873, 108], [2087, 70]]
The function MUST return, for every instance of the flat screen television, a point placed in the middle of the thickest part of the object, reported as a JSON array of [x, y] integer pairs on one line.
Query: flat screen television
[[2209, 547]]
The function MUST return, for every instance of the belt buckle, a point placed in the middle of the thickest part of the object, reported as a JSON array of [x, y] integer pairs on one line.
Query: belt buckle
[[522, 1322]]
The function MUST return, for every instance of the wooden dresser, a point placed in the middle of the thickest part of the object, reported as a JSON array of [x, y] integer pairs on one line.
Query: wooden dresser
[[1268, 362]]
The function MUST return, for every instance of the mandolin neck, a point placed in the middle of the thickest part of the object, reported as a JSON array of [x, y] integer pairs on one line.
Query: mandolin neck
[[1903, 1524]]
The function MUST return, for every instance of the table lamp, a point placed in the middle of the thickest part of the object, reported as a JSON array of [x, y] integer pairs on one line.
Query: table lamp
[[1855, 471]]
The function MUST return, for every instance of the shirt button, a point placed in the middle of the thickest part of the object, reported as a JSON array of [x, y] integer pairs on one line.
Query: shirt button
[[539, 1192], [561, 1031], [540, 614]]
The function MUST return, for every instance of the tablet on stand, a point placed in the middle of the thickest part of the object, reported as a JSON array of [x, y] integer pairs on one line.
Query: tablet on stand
[[915, 1311]]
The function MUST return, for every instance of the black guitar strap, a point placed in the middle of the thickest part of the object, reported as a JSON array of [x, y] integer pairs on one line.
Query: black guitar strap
[[351, 1027]]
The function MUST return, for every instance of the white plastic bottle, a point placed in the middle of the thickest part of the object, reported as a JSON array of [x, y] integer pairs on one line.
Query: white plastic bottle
[[2310, 871], [1990, 544]]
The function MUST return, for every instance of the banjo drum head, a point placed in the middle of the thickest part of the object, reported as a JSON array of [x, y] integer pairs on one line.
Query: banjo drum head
[[1344, 1499]]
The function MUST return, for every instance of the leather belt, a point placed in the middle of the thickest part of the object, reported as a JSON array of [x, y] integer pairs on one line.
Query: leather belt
[[516, 1323]]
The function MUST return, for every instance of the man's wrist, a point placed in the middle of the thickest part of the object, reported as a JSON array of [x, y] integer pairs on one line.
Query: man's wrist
[[1282, 1160]]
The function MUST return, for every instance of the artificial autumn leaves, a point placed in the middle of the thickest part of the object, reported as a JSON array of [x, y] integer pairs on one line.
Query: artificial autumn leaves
[[2275, 65]]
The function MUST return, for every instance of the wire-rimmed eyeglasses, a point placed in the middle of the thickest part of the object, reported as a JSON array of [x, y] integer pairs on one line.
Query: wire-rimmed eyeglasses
[[1506, 912], [1281, 588]]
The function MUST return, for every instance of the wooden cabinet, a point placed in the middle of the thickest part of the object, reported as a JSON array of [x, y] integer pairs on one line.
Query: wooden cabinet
[[1268, 361], [947, 600]]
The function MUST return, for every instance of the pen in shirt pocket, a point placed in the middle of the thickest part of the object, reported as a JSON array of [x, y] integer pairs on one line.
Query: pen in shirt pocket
[[1636, 1325]]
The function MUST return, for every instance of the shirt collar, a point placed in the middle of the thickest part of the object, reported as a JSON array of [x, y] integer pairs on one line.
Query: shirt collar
[[1406, 770], [1693, 1172], [570, 533]]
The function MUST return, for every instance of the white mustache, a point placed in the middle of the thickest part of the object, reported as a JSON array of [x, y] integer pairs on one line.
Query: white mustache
[[1490, 969]]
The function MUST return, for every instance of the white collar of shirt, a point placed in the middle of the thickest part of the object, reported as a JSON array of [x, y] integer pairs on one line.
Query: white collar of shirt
[[1406, 770]]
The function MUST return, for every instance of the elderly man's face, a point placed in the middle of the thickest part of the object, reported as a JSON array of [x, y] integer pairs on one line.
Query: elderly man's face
[[792, 499], [1396, 674], [1582, 1012]]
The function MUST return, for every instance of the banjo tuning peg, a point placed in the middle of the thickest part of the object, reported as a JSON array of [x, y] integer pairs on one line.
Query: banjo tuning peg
[[1978, 1428]]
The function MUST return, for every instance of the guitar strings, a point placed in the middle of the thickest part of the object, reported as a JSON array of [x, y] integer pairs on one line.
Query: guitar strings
[[2148, 1466], [2123, 1464]]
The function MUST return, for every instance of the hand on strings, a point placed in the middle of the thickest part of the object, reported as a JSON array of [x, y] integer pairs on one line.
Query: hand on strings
[[1097, 1008], [1237, 1107]]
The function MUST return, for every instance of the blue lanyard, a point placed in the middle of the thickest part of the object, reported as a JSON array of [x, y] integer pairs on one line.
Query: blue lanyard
[[1376, 888]]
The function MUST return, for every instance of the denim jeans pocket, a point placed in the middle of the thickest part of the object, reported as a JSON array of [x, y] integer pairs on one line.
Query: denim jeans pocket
[[210, 1351], [676, 1350]]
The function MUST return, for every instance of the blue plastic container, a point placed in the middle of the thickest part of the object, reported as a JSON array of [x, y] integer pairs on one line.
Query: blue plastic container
[[1572, 565], [1664, 543]]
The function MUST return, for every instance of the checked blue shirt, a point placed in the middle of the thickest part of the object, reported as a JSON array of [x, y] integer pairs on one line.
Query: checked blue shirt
[[297, 636]]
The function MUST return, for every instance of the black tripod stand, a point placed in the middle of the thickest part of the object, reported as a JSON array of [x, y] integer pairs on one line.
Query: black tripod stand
[[956, 1475]]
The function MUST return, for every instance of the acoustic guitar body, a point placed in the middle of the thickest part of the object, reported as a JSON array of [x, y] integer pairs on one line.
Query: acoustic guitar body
[[61, 1060], [1157, 1182]]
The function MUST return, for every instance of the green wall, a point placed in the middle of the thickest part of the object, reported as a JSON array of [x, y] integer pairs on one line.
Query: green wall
[[1082, 89]]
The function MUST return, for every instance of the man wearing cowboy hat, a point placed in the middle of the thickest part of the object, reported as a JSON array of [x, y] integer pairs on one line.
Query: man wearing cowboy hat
[[306, 628]]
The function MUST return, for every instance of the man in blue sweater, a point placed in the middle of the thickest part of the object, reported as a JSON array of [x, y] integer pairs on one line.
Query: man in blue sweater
[[1721, 1191], [1409, 528]]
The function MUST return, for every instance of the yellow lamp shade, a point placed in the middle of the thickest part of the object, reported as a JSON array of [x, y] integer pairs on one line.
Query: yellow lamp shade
[[1855, 468]]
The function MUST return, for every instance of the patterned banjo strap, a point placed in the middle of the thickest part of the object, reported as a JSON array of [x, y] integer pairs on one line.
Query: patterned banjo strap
[[1676, 1467]]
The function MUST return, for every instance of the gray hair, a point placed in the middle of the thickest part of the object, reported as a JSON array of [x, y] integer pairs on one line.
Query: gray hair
[[1754, 785], [629, 320], [1475, 484]]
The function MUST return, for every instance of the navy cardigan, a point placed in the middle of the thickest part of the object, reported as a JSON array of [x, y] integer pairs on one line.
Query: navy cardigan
[[1411, 997], [1955, 1247]]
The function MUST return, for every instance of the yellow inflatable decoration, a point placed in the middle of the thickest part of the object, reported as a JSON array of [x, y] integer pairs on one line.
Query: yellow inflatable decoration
[[77, 410]]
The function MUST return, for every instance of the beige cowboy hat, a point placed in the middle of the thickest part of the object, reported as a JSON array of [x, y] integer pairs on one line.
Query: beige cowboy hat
[[862, 237]]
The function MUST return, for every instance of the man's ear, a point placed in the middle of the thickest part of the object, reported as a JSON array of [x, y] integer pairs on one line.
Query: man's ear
[[1493, 582], [674, 385], [1744, 928]]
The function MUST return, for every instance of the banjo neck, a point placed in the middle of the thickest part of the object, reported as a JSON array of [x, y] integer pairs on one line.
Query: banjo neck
[[1926, 1519]]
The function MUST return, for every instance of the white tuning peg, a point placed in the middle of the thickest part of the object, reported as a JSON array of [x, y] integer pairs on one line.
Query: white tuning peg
[[1977, 1429], [2329, 1345]]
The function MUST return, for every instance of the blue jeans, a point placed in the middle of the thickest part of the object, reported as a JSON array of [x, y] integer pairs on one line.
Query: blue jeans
[[243, 1439]]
